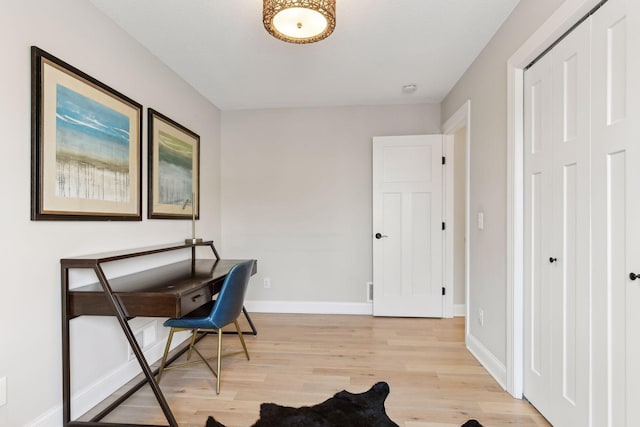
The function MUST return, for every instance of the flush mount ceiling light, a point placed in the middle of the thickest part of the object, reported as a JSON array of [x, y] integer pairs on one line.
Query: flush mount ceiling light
[[299, 21], [410, 88]]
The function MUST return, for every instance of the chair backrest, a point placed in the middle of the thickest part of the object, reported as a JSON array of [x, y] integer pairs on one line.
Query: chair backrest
[[230, 299]]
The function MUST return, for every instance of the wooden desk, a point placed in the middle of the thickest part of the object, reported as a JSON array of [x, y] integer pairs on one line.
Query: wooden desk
[[171, 290]]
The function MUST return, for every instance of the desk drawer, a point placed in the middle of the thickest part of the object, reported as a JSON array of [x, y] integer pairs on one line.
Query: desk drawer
[[194, 299]]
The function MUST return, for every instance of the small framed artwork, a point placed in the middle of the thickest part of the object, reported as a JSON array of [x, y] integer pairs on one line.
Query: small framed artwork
[[85, 146], [174, 169]]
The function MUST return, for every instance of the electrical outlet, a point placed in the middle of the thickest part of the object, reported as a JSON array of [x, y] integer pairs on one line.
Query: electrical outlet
[[481, 316], [369, 291], [267, 283], [149, 334], [139, 336], [144, 337]]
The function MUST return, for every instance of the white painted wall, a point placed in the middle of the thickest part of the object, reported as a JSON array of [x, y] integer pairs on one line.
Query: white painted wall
[[30, 359], [297, 197], [485, 84]]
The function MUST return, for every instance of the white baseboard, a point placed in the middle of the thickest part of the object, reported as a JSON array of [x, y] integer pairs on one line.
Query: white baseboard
[[491, 363], [87, 398], [51, 418], [307, 307]]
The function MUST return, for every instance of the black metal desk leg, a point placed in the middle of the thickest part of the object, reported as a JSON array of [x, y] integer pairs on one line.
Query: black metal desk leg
[[254, 331], [146, 369], [66, 363]]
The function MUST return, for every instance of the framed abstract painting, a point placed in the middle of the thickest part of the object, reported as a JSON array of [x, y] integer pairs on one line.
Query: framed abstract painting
[[174, 169], [85, 146]]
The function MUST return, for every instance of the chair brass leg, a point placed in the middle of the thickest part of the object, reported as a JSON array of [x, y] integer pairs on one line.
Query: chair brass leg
[[192, 347], [219, 360], [193, 342], [166, 353], [203, 360], [241, 339]]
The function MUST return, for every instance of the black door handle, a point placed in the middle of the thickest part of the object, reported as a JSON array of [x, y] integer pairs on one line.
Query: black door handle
[[634, 276], [380, 236], [552, 260]]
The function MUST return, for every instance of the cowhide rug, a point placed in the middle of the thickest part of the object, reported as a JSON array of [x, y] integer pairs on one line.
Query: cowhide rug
[[344, 409]]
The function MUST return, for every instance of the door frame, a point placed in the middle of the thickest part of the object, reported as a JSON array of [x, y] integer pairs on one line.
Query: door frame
[[567, 15], [458, 120]]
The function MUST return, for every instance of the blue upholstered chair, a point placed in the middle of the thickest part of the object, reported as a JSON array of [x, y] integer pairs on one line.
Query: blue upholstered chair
[[213, 316]]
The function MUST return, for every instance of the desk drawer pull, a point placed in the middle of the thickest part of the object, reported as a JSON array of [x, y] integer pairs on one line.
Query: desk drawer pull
[[193, 300]]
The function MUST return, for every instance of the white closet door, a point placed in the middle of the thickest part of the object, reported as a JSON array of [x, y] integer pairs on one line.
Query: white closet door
[[571, 230], [557, 256], [537, 228], [616, 213]]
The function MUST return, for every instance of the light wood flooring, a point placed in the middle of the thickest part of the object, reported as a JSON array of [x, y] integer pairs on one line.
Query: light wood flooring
[[301, 360]]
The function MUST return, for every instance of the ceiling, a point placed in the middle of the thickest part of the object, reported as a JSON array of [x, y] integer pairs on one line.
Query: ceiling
[[221, 48]]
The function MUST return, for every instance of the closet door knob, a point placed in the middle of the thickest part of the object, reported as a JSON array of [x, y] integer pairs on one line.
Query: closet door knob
[[634, 276], [380, 236], [552, 260]]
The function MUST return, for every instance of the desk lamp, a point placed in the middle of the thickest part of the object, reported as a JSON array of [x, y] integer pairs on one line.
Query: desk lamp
[[193, 239]]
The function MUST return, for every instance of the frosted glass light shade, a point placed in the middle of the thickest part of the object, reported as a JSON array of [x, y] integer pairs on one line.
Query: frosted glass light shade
[[299, 21]]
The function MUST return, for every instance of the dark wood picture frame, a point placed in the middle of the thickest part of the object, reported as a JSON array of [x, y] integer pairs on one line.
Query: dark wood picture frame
[[86, 146], [173, 169]]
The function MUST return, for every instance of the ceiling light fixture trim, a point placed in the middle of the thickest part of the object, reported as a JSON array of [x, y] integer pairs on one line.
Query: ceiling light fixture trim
[[299, 21]]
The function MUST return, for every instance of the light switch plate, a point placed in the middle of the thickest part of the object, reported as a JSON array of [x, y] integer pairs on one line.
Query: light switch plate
[[480, 220]]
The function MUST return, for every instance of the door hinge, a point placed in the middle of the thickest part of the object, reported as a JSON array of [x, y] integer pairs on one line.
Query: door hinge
[[444, 291], [444, 226], [444, 160]]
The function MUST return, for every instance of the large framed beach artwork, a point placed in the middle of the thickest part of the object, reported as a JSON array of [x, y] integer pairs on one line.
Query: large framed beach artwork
[[173, 169], [86, 146]]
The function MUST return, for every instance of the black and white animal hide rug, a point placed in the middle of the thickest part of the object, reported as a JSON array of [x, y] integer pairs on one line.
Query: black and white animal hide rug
[[344, 409]]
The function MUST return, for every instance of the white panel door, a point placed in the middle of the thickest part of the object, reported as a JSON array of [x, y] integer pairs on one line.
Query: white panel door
[[557, 257], [407, 226], [538, 184], [570, 332], [616, 213]]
